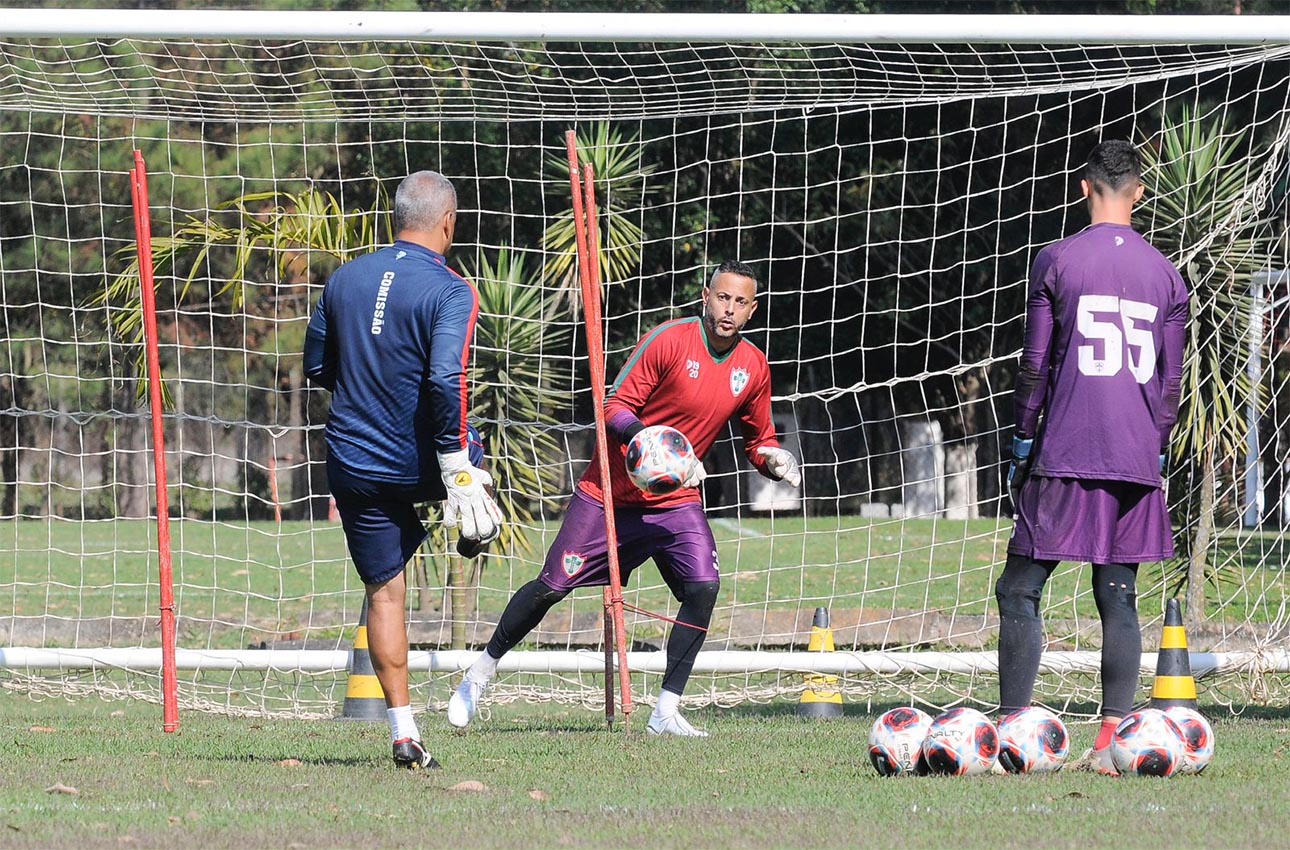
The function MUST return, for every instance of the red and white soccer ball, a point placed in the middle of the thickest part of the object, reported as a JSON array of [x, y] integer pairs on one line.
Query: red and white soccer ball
[[659, 459], [961, 742], [1197, 738], [1147, 743], [1033, 740], [896, 740]]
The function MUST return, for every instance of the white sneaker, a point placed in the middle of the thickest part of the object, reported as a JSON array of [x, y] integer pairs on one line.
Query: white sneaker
[[673, 724], [465, 702]]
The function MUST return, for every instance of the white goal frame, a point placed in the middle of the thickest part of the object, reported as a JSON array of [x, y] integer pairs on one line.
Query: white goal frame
[[609, 27], [700, 28]]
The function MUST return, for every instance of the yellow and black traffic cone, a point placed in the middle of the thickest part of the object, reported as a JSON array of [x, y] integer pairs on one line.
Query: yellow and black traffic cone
[[821, 700], [1174, 684], [364, 698]]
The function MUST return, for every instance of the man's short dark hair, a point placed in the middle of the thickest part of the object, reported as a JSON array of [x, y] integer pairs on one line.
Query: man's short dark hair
[[735, 267], [1113, 165]]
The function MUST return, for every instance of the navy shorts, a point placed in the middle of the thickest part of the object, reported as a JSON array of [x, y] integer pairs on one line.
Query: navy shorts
[[380, 520], [678, 539], [381, 523]]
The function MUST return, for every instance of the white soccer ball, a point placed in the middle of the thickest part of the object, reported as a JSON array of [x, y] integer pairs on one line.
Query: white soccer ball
[[1147, 743], [896, 740], [1033, 740], [961, 742], [659, 459], [1197, 737]]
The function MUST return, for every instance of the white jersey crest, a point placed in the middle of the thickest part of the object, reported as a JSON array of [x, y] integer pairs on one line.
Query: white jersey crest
[[738, 380]]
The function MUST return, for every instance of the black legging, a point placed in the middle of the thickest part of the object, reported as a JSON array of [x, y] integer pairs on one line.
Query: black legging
[[525, 610], [531, 602], [697, 598], [1021, 631]]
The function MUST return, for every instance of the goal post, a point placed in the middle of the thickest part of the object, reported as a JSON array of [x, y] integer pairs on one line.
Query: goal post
[[890, 178]]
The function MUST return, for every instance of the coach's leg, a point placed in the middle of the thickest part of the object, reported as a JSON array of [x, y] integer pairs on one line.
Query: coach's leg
[[387, 638], [1021, 630], [387, 646], [1115, 592]]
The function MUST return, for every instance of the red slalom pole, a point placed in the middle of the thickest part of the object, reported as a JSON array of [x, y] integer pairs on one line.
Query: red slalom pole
[[596, 354], [587, 261], [143, 244], [580, 255]]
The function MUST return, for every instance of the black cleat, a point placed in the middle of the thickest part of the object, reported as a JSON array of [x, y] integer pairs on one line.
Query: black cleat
[[412, 755]]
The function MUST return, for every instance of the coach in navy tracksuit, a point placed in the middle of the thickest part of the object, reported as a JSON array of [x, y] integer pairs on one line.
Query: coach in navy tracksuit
[[390, 338]]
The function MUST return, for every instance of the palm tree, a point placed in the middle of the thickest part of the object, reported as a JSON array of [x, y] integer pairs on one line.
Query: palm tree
[[620, 179], [276, 234], [517, 388], [1200, 214]]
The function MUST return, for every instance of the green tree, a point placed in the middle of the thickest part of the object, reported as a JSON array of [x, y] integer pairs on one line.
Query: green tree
[[1199, 213], [620, 179]]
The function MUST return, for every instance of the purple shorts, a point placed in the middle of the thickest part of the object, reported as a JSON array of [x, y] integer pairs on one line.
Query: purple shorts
[[678, 539], [1102, 522]]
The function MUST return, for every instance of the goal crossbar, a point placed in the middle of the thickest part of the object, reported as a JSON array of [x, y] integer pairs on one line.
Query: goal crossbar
[[628, 27]]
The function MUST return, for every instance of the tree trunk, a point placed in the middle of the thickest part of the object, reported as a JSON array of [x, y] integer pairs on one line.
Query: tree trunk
[[420, 575], [298, 451], [12, 397], [457, 597], [1200, 539]]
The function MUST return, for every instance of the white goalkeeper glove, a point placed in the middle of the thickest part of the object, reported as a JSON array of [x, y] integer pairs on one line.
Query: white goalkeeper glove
[[468, 502], [781, 465], [696, 475]]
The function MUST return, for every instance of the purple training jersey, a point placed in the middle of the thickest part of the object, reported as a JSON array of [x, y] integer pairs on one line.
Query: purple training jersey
[[1106, 321]]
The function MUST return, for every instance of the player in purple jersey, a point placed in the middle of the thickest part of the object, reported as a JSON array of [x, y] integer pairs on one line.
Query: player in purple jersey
[[695, 376], [390, 338], [1096, 399]]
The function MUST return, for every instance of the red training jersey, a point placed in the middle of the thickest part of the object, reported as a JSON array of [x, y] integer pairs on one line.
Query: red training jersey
[[674, 378]]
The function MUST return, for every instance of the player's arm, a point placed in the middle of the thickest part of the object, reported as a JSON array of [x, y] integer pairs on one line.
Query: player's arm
[[1032, 377], [633, 386], [468, 501], [1031, 388], [1170, 363], [451, 331], [320, 357], [636, 382], [760, 444]]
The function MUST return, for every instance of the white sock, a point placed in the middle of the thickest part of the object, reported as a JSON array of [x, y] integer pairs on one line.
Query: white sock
[[402, 724], [484, 668], [668, 704]]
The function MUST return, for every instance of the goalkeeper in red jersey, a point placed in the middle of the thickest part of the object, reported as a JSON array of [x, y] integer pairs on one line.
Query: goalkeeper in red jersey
[[693, 375]]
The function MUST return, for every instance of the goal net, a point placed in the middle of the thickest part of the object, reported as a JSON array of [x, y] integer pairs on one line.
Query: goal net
[[891, 197]]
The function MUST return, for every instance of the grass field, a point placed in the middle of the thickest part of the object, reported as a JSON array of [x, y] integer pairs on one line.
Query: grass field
[[245, 583], [555, 778]]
